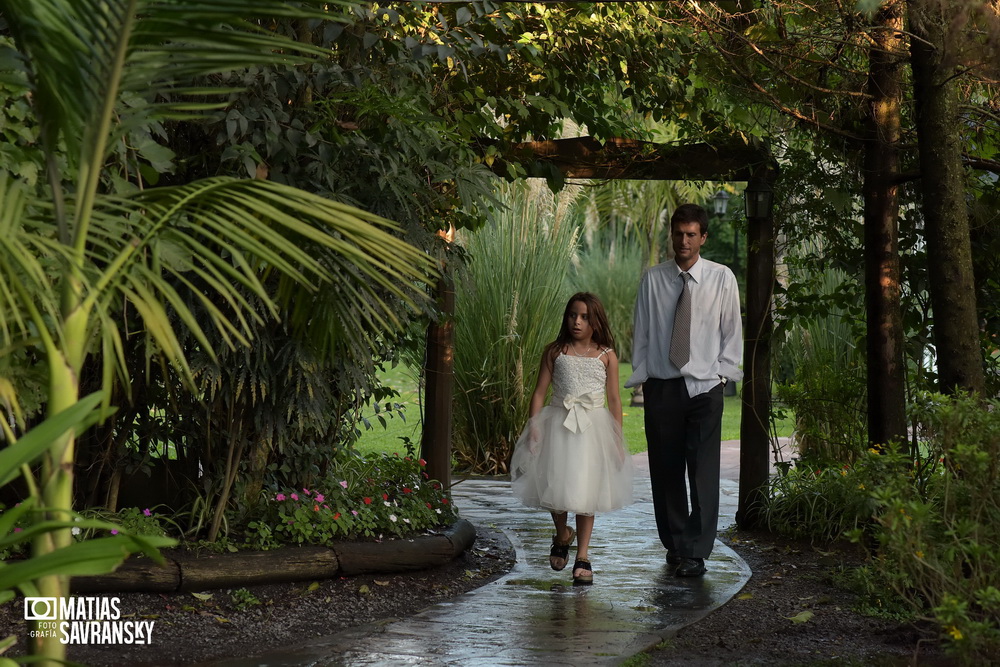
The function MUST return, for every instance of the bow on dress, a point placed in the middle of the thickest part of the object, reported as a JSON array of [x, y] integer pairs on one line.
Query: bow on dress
[[578, 420]]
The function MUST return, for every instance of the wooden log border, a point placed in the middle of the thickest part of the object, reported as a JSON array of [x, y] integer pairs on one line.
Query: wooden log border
[[181, 573]]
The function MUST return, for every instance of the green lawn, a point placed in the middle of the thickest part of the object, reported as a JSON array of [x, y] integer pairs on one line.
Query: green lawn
[[390, 438], [403, 380]]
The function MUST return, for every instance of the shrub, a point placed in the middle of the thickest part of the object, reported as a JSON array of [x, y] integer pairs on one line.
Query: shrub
[[365, 497], [130, 521], [823, 503], [939, 528]]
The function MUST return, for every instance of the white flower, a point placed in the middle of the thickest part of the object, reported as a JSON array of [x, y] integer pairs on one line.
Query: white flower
[[392, 517], [387, 504], [76, 530], [406, 521], [438, 510]]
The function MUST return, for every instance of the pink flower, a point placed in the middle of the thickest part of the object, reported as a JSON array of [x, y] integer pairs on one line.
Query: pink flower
[[17, 529], [295, 496], [280, 496], [114, 532], [319, 497], [315, 508], [343, 483], [422, 462], [305, 491], [147, 512], [354, 512]]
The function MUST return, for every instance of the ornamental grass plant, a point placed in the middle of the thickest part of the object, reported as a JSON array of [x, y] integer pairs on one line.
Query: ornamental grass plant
[[825, 386], [822, 504], [509, 303], [610, 265]]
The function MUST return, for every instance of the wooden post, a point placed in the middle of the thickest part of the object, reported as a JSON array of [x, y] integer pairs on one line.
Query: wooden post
[[439, 379], [755, 439]]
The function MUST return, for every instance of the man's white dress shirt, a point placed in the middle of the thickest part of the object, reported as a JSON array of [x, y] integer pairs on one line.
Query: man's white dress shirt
[[716, 328]]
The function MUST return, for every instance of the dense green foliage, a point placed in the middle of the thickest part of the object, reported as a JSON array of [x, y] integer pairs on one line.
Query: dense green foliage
[[939, 524]]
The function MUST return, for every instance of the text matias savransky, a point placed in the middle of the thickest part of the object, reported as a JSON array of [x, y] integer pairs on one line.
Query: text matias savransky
[[85, 620]]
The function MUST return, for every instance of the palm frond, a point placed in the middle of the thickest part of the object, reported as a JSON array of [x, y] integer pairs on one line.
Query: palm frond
[[226, 233]]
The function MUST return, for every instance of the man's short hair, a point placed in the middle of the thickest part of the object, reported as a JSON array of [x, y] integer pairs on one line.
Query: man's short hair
[[690, 213]]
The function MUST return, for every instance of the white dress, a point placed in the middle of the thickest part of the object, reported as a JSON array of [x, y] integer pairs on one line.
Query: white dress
[[581, 463]]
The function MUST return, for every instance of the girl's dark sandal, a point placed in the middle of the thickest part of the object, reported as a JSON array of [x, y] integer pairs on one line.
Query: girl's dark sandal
[[583, 579], [560, 551]]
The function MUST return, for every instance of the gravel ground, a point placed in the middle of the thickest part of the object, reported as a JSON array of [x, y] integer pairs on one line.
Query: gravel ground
[[192, 628], [794, 580], [755, 628]]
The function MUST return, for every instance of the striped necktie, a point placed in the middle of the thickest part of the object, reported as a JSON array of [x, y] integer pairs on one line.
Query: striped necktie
[[680, 337]]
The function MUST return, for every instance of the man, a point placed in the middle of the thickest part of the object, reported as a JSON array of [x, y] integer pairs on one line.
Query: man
[[687, 343]]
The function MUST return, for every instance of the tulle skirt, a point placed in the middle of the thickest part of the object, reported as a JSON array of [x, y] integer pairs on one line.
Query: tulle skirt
[[583, 473]]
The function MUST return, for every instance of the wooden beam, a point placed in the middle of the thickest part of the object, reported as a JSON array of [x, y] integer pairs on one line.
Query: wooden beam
[[617, 158], [755, 432]]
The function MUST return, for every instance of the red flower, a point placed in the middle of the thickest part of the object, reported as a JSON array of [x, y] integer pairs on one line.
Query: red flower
[[429, 506], [336, 516], [444, 501], [422, 462], [405, 490], [385, 496], [368, 501], [315, 508]]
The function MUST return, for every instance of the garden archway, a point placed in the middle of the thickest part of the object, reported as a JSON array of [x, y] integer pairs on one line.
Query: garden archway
[[618, 158]]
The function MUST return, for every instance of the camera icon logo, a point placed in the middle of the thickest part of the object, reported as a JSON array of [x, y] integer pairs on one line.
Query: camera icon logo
[[41, 609]]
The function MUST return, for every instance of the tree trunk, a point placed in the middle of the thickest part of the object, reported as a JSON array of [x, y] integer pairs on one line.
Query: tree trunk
[[886, 378], [435, 443], [946, 217]]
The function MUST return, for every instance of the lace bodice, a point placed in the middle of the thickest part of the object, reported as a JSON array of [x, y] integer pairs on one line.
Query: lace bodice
[[576, 376]]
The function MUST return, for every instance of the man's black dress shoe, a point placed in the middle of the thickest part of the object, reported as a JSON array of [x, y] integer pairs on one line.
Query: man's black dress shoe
[[673, 559], [691, 567]]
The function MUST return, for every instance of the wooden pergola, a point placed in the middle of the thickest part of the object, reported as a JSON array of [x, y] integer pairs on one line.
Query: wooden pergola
[[588, 158]]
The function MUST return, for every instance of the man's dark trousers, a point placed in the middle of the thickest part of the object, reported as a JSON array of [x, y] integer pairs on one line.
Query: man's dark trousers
[[683, 435]]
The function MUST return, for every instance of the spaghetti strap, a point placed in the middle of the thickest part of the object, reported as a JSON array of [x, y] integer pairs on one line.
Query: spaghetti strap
[[603, 352]]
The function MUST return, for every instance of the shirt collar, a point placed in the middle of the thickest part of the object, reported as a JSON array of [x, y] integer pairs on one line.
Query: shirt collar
[[695, 270]]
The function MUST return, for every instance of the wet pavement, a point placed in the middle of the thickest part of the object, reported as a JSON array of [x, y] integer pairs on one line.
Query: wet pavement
[[534, 615]]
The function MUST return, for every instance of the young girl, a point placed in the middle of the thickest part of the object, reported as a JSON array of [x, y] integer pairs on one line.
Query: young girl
[[571, 456]]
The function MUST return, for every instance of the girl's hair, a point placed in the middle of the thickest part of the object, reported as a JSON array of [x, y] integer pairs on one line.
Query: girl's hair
[[598, 322]]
